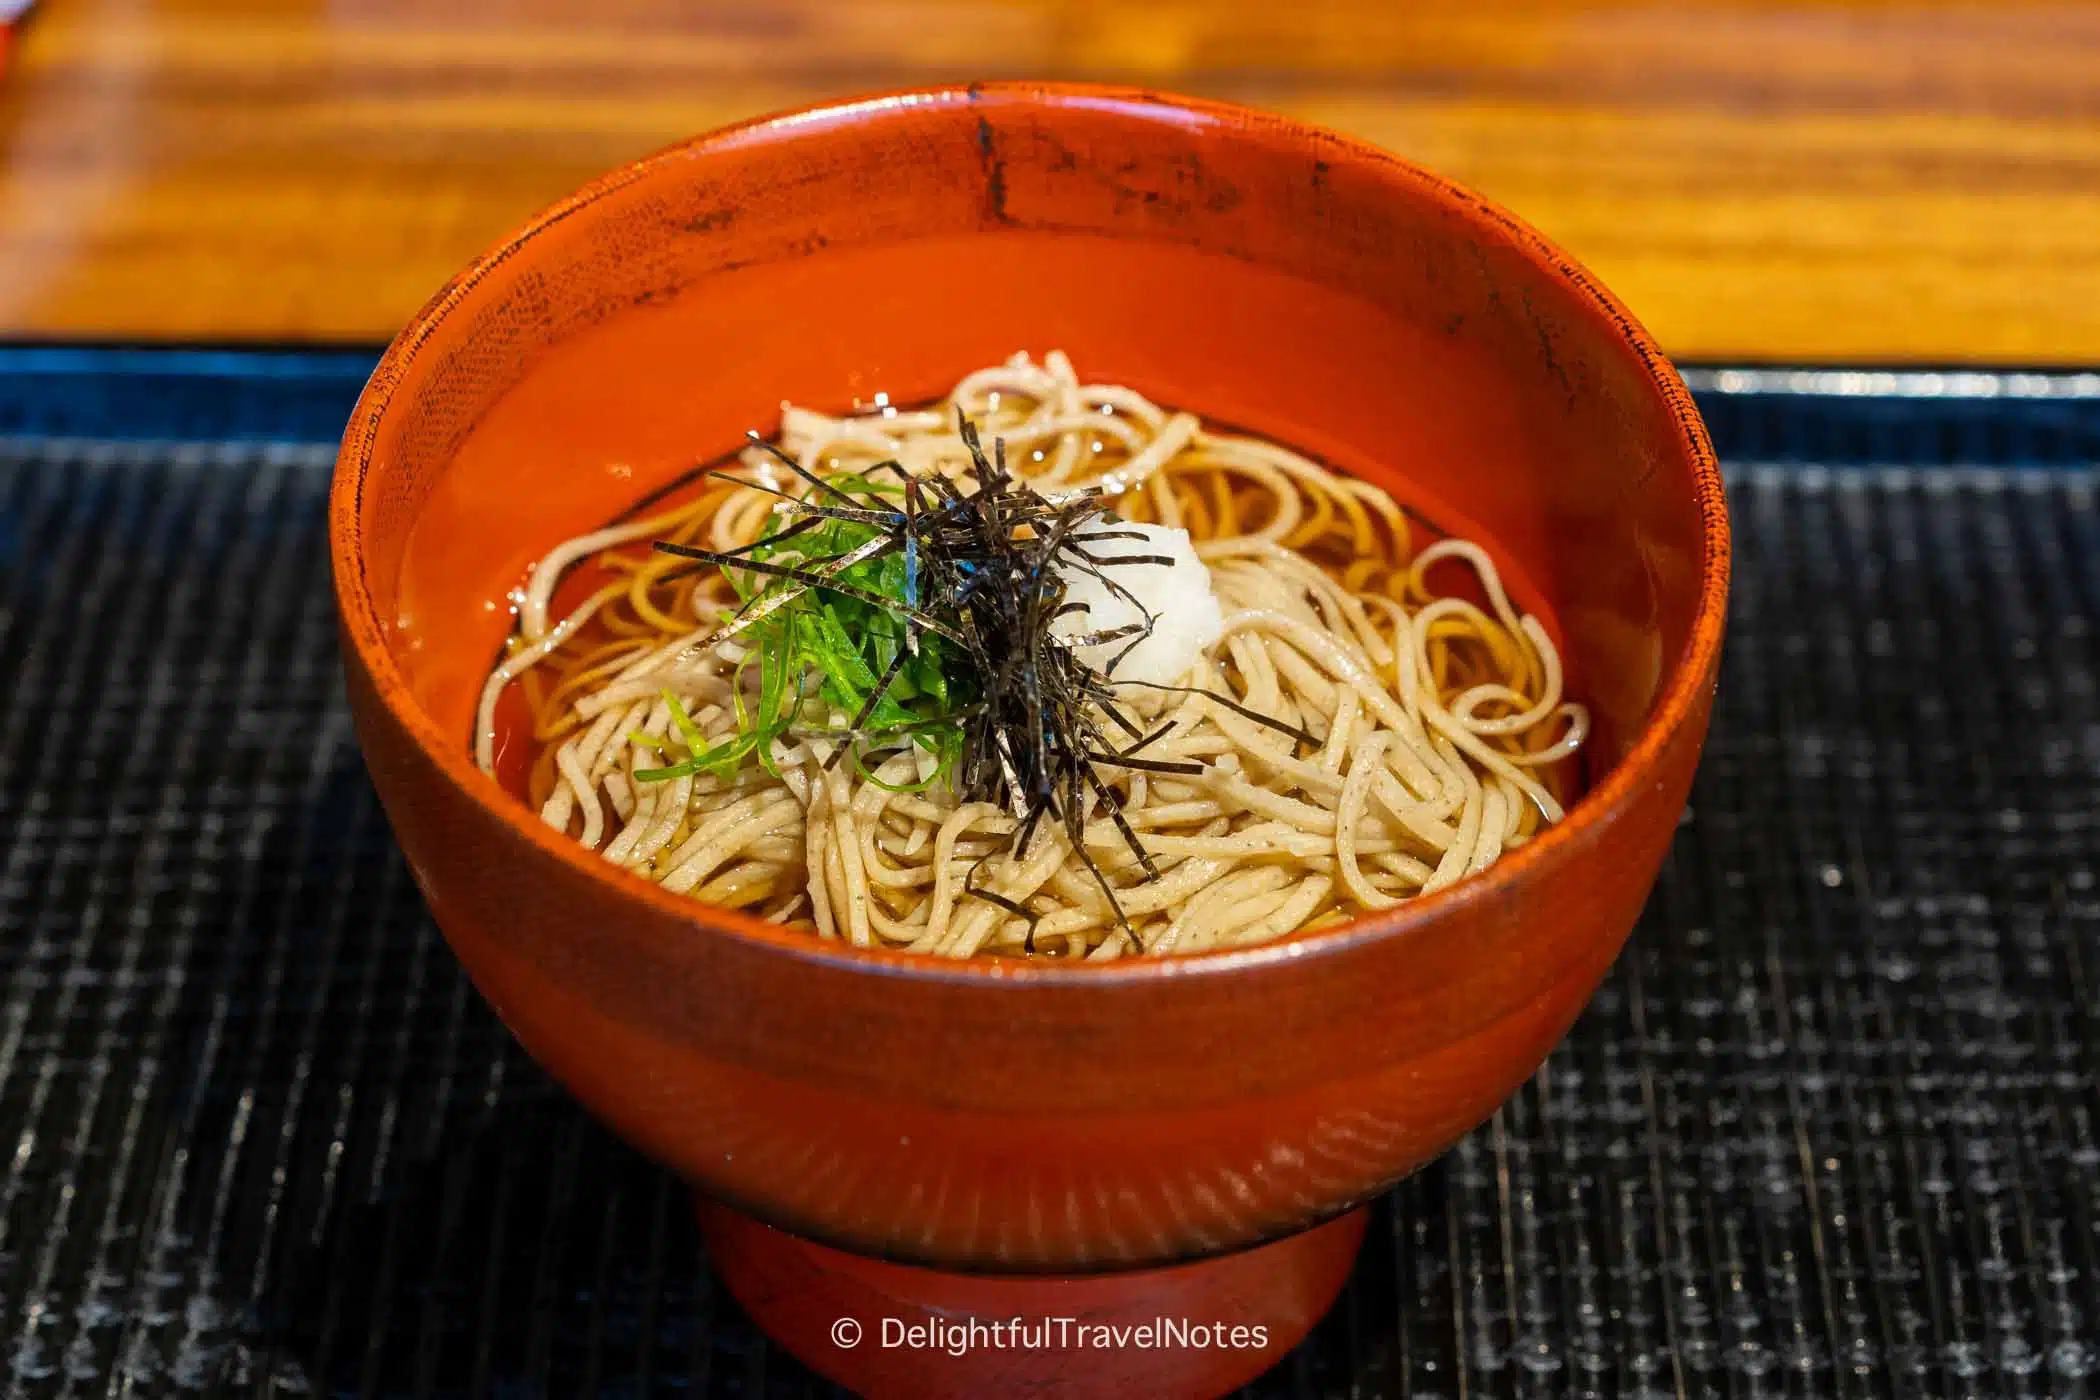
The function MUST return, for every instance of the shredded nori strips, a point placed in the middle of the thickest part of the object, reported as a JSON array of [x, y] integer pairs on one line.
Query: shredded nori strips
[[983, 569]]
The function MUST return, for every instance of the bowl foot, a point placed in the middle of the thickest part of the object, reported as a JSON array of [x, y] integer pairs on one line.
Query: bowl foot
[[885, 1330]]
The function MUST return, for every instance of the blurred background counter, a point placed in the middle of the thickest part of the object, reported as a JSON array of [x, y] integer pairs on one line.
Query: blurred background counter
[[1760, 181]]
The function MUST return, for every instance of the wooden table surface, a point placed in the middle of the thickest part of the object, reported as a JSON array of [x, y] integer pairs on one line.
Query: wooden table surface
[[1807, 181]]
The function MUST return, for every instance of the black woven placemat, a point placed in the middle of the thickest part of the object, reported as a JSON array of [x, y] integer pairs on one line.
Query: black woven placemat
[[1830, 1128]]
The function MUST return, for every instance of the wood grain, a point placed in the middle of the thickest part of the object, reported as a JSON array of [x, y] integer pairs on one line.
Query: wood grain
[[1848, 181]]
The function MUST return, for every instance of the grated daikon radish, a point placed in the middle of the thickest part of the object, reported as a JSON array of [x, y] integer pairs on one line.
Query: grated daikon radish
[[1186, 619]]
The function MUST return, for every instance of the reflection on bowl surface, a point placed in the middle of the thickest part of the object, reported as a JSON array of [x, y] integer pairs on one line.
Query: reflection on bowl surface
[[993, 1115]]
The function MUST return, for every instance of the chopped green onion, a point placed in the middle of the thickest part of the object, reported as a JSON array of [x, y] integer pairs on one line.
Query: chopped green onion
[[695, 741]]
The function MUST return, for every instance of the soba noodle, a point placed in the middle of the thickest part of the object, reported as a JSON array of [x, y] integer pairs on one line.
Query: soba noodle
[[1441, 722]]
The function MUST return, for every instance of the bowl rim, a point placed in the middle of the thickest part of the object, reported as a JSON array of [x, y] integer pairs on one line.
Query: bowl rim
[[1594, 810]]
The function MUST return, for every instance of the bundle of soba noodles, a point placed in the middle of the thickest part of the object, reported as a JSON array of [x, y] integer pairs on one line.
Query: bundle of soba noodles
[[1040, 670]]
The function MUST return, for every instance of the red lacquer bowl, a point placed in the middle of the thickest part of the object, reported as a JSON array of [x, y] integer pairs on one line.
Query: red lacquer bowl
[[988, 1117]]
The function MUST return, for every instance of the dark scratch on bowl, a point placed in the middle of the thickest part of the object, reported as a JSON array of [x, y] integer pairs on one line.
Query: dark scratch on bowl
[[1547, 353], [711, 220], [994, 172]]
